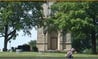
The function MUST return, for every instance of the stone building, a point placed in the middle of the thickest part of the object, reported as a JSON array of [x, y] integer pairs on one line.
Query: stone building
[[52, 40]]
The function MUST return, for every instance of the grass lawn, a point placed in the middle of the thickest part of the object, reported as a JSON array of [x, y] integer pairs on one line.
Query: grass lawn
[[36, 54]]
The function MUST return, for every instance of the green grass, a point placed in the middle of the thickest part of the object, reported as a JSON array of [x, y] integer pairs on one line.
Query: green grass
[[36, 54]]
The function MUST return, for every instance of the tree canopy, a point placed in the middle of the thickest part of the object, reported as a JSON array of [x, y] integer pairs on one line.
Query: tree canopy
[[15, 16], [77, 17]]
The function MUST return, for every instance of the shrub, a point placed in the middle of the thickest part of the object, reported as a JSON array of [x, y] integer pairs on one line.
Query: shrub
[[87, 51], [97, 49], [35, 49]]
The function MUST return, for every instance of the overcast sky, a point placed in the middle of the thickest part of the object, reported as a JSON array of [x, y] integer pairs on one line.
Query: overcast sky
[[21, 39]]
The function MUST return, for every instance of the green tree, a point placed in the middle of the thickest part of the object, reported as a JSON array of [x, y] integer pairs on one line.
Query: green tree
[[32, 43], [77, 17], [16, 16]]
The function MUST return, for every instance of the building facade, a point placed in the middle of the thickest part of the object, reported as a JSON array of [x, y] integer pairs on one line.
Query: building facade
[[52, 40]]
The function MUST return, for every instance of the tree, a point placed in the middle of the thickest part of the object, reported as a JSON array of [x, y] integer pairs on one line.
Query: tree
[[32, 43], [16, 16], [92, 11], [77, 17]]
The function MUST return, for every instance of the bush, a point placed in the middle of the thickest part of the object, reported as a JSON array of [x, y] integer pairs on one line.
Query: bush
[[24, 47], [87, 51], [97, 49], [35, 49]]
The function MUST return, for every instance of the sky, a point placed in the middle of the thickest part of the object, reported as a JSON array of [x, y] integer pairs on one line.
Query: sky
[[20, 39]]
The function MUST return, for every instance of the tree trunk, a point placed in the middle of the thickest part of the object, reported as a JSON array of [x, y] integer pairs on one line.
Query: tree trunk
[[93, 42], [5, 38], [5, 45], [93, 30]]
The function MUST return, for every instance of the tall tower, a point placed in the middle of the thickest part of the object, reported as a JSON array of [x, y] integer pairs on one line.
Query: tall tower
[[52, 40], [42, 37]]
